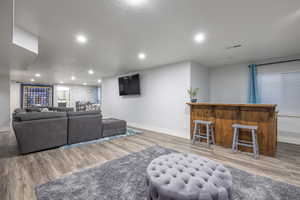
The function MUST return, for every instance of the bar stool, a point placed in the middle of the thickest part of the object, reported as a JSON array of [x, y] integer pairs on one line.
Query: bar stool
[[209, 131], [236, 142]]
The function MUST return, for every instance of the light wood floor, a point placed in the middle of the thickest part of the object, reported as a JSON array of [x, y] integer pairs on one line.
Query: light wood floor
[[20, 174]]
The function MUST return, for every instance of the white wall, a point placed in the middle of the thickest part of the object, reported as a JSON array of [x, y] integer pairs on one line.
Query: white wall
[[229, 84], [4, 103], [162, 104], [200, 79], [15, 95], [6, 22]]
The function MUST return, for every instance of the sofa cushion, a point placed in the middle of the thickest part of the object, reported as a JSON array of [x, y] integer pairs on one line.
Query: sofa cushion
[[33, 109], [19, 110], [62, 109], [45, 110], [74, 114], [38, 115]]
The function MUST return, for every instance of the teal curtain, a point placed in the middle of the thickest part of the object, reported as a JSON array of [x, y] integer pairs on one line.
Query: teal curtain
[[253, 97]]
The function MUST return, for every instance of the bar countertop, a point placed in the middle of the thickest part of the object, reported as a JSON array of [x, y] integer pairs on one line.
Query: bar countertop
[[233, 105]]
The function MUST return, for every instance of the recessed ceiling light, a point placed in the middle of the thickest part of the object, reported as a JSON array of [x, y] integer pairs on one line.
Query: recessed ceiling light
[[61, 82], [37, 75], [91, 71], [32, 80], [99, 81], [81, 39], [73, 78], [136, 2], [142, 56], [200, 37], [84, 83]]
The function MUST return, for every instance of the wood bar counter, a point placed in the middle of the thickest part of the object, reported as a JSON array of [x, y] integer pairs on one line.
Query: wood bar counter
[[224, 115]]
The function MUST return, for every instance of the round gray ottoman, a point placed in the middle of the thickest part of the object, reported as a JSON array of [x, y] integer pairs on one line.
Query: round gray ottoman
[[187, 177]]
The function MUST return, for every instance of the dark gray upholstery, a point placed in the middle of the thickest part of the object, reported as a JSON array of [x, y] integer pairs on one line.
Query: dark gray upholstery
[[61, 109], [84, 126], [38, 115], [96, 112], [33, 109], [112, 127], [187, 177], [39, 131], [55, 109], [19, 110]]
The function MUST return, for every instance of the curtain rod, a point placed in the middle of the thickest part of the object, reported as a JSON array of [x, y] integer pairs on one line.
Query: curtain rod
[[278, 62]]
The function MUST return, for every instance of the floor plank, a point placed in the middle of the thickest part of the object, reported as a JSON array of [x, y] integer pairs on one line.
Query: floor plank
[[21, 173]]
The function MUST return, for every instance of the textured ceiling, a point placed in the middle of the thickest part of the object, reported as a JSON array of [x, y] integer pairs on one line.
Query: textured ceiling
[[163, 29]]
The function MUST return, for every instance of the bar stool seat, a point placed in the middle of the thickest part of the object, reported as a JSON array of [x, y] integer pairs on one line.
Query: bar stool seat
[[237, 142], [244, 126], [203, 122], [209, 135]]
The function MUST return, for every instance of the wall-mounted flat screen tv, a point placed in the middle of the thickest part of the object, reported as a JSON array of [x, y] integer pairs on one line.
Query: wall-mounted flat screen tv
[[129, 85]]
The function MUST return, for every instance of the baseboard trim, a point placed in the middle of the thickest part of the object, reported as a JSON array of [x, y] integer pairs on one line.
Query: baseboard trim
[[4, 129], [291, 140], [184, 134]]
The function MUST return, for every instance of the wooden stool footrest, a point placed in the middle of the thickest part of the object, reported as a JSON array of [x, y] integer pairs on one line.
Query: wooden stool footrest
[[246, 145]]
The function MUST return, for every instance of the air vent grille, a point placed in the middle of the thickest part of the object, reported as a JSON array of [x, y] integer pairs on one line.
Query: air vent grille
[[234, 46]]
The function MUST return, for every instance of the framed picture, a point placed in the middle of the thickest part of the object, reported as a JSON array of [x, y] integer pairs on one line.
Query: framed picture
[[36, 95]]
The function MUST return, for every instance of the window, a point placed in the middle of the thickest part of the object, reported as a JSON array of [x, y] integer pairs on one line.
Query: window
[[278, 85], [290, 91]]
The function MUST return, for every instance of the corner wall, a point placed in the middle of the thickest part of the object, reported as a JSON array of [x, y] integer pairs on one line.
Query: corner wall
[[4, 103], [6, 24], [15, 96]]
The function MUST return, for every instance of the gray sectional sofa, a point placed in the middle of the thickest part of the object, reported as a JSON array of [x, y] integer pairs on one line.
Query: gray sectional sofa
[[53, 109], [113, 127], [36, 131], [84, 126]]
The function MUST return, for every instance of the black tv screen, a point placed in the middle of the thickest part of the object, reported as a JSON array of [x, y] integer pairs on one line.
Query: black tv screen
[[129, 85]]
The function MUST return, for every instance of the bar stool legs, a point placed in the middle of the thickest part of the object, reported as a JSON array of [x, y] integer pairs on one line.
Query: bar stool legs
[[255, 145], [195, 132], [212, 134], [236, 142], [209, 135]]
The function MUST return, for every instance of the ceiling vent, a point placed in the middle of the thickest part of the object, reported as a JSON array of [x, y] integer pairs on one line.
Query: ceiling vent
[[234, 46]]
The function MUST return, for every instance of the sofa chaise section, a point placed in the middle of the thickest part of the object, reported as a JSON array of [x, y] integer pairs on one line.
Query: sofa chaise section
[[113, 127]]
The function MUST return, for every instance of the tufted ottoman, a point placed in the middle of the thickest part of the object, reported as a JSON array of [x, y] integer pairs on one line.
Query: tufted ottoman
[[187, 177]]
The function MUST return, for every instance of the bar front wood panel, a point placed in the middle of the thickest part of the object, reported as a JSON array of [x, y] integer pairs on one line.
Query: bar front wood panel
[[224, 115]]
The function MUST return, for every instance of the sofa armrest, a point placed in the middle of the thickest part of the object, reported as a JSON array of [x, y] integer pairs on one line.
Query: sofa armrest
[[41, 134]]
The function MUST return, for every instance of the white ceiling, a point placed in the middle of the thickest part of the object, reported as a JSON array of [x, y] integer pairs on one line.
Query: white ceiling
[[163, 29]]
